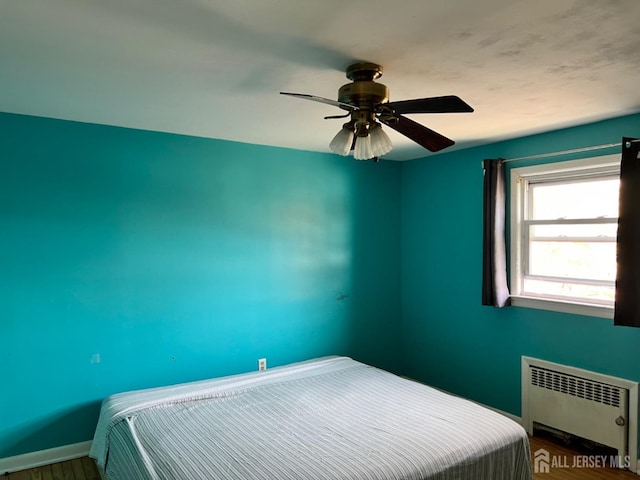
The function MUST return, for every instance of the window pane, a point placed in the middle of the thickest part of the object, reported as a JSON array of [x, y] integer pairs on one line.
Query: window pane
[[563, 233], [578, 260], [578, 199], [596, 230], [571, 291]]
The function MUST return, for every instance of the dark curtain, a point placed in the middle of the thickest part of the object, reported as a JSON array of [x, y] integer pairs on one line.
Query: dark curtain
[[495, 291], [627, 304]]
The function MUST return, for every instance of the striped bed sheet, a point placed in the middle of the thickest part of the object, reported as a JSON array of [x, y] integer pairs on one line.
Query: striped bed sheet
[[328, 418]]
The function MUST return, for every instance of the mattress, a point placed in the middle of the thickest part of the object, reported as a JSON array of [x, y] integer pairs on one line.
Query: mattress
[[329, 418]]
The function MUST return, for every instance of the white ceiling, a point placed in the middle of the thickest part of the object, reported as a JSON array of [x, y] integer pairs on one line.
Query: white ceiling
[[213, 68]]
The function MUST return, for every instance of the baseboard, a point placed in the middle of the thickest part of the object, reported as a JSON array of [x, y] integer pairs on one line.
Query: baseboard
[[44, 457], [513, 417]]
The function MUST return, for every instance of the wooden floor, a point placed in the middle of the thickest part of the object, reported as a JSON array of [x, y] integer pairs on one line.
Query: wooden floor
[[78, 469], [565, 456], [85, 469]]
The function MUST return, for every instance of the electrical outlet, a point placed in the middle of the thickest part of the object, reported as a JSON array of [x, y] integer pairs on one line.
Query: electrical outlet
[[262, 364]]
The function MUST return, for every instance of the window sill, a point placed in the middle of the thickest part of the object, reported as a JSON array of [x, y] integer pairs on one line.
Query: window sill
[[586, 309]]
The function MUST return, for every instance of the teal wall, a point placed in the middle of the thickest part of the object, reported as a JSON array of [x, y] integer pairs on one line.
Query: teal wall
[[132, 259], [172, 258], [449, 339]]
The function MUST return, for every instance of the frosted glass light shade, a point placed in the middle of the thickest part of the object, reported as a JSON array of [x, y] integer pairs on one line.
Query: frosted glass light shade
[[380, 141], [341, 143], [363, 149]]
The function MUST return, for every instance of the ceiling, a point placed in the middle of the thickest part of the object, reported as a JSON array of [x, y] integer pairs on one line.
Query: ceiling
[[213, 68]]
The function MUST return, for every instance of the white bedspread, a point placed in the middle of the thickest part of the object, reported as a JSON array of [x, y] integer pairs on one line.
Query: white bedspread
[[330, 418]]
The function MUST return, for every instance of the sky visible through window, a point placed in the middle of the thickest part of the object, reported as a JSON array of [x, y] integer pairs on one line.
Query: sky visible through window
[[583, 199]]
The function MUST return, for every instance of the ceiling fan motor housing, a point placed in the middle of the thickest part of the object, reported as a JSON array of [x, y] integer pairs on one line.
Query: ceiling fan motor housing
[[363, 92]]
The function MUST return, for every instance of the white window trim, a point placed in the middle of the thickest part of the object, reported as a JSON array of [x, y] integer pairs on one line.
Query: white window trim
[[597, 164]]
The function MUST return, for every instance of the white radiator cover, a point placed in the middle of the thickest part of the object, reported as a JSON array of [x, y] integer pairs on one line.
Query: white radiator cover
[[580, 406], [597, 407]]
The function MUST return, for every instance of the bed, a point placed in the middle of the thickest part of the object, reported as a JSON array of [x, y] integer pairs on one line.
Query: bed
[[327, 418]]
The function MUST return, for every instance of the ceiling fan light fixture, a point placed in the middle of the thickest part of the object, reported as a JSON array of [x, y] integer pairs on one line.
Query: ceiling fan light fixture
[[341, 143], [380, 141], [363, 150]]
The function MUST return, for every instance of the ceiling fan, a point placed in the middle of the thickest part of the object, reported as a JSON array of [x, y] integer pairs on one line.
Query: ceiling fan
[[367, 103]]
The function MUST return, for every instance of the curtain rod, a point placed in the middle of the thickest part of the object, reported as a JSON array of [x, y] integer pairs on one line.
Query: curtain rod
[[564, 152]]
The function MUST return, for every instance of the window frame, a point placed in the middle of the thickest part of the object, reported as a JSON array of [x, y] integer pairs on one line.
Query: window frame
[[580, 169]]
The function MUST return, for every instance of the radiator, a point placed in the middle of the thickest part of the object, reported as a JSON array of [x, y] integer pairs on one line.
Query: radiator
[[579, 402]]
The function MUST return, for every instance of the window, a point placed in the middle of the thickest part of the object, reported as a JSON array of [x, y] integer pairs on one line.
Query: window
[[564, 220]]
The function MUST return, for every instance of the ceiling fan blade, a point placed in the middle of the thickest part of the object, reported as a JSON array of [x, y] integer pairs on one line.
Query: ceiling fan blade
[[314, 98], [420, 134], [446, 104]]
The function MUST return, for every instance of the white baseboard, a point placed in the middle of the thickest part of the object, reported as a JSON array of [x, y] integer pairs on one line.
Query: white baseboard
[[44, 457], [513, 417]]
